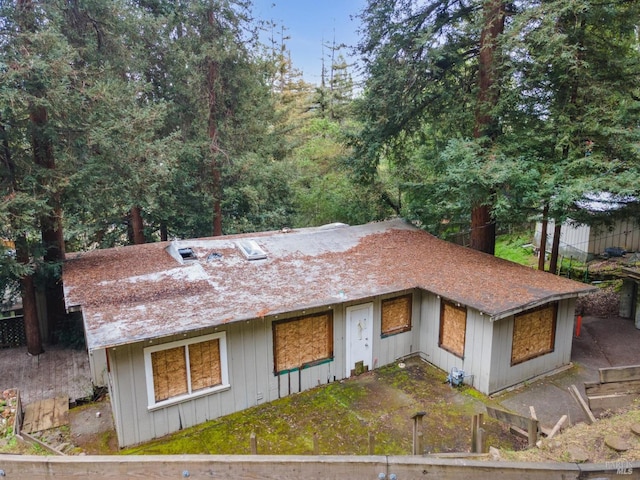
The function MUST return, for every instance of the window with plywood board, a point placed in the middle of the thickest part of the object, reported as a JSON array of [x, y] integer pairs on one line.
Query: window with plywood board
[[184, 369], [303, 341], [534, 333], [453, 327], [396, 315]]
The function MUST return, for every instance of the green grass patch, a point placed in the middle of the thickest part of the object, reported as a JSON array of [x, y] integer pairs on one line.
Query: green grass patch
[[517, 248]]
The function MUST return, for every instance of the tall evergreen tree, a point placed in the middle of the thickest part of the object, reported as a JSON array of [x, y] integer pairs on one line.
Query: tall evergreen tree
[[573, 102], [35, 98], [432, 80], [471, 117]]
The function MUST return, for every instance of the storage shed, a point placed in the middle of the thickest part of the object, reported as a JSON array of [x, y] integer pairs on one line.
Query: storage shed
[[613, 225], [187, 331]]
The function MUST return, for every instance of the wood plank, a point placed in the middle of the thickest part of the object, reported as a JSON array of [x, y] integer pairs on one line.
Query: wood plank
[[612, 402], [46, 414], [28, 439], [557, 426], [585, 408], [599, 389], [510, 418], [245, 467], [518, 431], [619, 374], [61, 411], [30, 415]]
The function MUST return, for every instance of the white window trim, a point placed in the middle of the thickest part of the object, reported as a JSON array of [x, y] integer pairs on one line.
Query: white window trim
[[148, 367]]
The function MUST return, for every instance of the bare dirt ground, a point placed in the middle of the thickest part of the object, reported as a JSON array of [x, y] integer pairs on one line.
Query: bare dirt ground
[[90, 431]]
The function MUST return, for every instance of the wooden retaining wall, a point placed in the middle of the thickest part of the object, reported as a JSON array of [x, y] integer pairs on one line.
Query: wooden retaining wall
[[251, 467], [618, 387]]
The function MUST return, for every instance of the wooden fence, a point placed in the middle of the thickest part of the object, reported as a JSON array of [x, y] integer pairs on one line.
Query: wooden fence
[[250, 467]]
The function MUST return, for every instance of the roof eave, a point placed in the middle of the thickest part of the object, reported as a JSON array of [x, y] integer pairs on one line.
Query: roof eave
[[553, 298]]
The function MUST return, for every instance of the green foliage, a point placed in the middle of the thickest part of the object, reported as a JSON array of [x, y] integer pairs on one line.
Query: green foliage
[[70, 333], [568, 96], [324, 191]]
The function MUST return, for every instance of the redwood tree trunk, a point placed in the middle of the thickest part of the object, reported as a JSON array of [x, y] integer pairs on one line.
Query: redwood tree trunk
[[488, 91], [483, 228], [217, 204], [137, 226], [164, 232], [31, 323], [555, 248], [51, 223], [543, 239], [51, 230]]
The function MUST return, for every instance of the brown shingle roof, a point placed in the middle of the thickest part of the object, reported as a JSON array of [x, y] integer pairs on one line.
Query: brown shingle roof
[[134, 293]]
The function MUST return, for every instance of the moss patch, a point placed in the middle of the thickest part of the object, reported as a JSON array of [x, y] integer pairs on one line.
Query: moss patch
[[342, 415]]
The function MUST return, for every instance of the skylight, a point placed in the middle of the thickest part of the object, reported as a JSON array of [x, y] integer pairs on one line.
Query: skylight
[[251, 250], [187, 254]]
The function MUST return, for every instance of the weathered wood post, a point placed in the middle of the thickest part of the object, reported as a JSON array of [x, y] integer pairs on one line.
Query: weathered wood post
[[474, 433], [532, 432], [417, 432], [316, 446], [481, 445], [478, 434], [372, 443], [254, 443]]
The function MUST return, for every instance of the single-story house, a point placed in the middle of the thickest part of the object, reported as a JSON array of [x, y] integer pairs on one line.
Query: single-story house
[[583, 242], [186, 331]]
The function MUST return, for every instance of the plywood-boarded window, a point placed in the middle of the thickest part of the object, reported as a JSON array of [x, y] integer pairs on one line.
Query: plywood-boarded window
[[178, 370], [396, 315], [169, 373], [534, 333], [204, 364], [302, 342], [453, 328]]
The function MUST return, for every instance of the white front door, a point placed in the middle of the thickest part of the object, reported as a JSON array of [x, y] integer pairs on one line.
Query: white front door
[[359, 338]]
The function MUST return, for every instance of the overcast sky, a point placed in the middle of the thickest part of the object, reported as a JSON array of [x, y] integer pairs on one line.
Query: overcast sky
[[307, 23]]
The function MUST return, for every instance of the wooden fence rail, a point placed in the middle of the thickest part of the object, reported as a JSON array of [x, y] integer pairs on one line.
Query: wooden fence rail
[[271, 467]]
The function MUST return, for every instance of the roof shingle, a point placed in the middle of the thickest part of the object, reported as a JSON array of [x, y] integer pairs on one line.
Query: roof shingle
[[135, 293]]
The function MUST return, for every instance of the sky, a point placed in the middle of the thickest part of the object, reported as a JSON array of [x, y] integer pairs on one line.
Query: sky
[[308, 23]]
